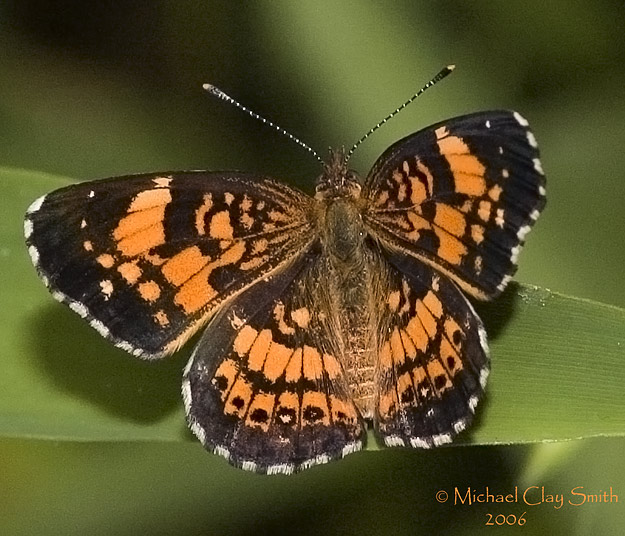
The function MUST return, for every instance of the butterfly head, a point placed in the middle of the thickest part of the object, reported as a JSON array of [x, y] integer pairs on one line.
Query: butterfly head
[[337, 180]]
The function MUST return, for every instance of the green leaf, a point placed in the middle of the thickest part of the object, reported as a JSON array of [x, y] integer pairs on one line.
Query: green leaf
[[558, 362]]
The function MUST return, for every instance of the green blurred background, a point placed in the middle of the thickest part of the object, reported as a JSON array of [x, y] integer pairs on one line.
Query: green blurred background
[[98, 89]]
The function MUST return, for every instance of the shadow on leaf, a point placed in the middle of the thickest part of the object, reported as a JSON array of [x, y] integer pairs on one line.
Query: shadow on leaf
[[496, 314], [81, 362]]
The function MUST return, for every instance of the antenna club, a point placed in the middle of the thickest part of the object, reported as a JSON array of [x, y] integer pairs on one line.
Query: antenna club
[[451, 67], [215, 91]]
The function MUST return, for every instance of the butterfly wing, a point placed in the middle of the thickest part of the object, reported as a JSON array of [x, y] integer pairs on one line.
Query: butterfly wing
[[147, 259], [433, 359], [460, 195], [264, 387]]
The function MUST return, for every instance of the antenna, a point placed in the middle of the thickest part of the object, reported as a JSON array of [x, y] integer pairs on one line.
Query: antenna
[[442, 74], [216, 92]]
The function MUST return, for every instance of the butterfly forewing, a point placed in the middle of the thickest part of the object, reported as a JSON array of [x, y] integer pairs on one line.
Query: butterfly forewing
[[147, 258], [460, 195]]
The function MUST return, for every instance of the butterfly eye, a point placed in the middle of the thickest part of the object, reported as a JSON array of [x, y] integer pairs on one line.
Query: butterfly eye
[[353, 183], [322, 190]]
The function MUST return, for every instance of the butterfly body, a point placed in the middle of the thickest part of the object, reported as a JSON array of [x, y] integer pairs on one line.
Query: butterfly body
[[319, 313], [349, 271]]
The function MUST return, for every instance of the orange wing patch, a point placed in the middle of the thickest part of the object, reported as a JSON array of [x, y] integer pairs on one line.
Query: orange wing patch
[[182, 266], [220, 226], [277, 360], [143, 227], [467, 170]]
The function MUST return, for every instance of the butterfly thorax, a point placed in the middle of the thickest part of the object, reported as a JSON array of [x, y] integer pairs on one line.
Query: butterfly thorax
[[338, 193]]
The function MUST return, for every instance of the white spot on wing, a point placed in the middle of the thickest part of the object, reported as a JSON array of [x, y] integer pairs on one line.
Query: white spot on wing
[[162, 182], [36, 205], [322, 458], [285, 419], [523, 232], [504, 282], [473, 403], [419, 443], [99, 327], [484, 376], [198, 431], [483, 339], [106, 287], [435, 283], [351, 447], [186, 396], [126, 346], [317, 460], [542, 191], [222, 451], [281, 469], [34, 254], [441, 439], [534, 215], [79, 309], [249, 465], [514, 254], [394, 441], [58, 296], [487, 124], [28, 228], [538, 166], [187, 367], [531, 139], [138, 352], [520, 119], [460, 425], [499, 219], [235, 321]]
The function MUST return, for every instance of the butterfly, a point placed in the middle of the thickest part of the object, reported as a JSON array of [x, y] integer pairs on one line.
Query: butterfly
[[321, 315]]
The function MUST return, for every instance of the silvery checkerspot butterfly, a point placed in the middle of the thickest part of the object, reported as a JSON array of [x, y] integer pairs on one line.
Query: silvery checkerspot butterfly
[[320, 314]]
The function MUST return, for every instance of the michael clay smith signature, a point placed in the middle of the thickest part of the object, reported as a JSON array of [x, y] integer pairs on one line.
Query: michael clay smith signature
[[533, 496]]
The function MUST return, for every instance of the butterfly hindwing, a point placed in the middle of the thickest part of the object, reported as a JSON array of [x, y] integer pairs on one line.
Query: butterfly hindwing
[[460, 195], [146, 259], [264, 387], [433, 364]]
